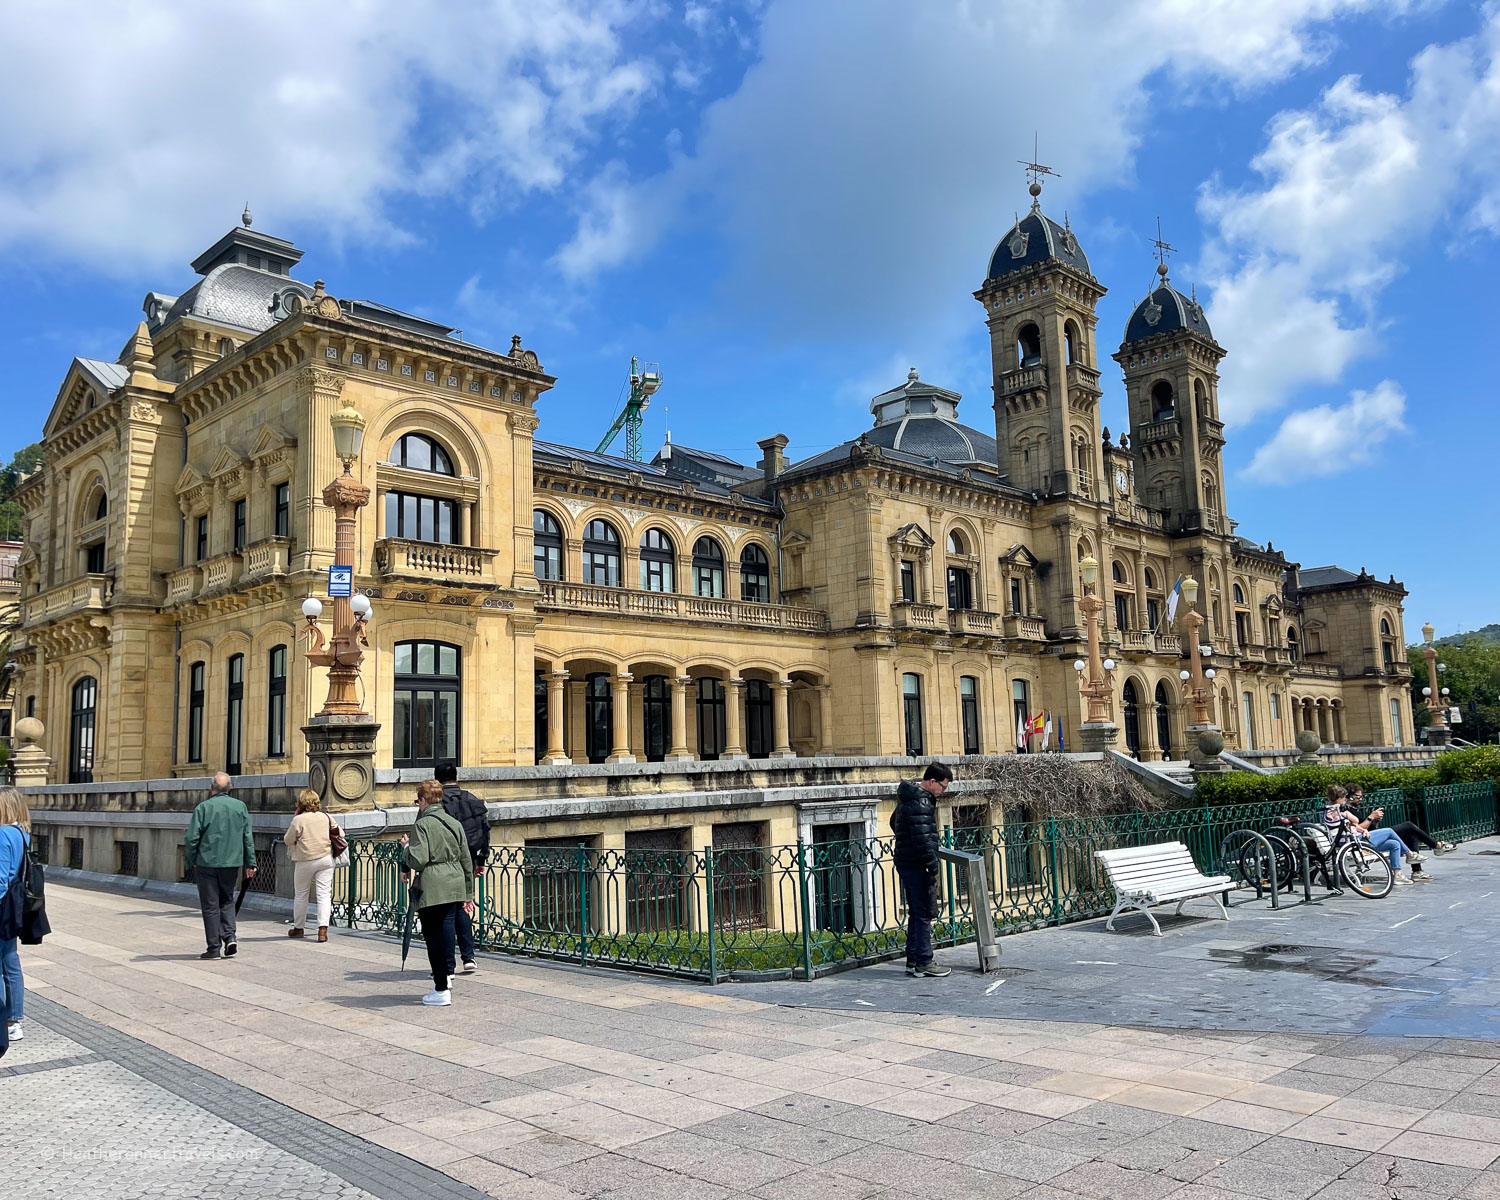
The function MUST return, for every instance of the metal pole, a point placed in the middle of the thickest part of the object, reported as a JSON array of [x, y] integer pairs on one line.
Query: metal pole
[[805, 904], [713, 927]]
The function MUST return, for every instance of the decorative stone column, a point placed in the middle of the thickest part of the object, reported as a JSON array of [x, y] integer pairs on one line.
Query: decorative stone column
[[825, 718], [780, 720], [734, 722], [556, 755], [620, 697], [32, 763], [341, 760], [679, 749]]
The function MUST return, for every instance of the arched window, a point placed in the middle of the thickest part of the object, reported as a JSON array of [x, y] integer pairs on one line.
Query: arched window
[[755, 575], [1385, 627], [1117, 573], [1293, 646], [418, 452], [1163, 402], [197, 695], [234, 715], [956, 543], [1020, 711], [101, 506], [1070, 341], [1150, 580], [599, 717], [708, 568], [1132, 713], [658, 562], [760, 737], [425, 716], [711, 714], [1200, 398], [1028, 346], [601, 554], [1164, 720], [968, 705], [911, 710], [81, 739], [1239, 594], [546, 545], [276, 703]]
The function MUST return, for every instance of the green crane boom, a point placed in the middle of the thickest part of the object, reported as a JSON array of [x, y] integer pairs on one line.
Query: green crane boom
[[644, 380]]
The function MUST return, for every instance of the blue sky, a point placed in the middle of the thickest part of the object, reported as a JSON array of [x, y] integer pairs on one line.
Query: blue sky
[[788, 202]]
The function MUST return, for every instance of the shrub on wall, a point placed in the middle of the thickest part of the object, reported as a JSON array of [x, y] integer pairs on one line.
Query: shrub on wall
[[1454, 766], [1470, 766]]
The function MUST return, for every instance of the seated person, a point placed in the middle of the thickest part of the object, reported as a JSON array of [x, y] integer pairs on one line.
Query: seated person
[[1336, 815], [1408, 832]]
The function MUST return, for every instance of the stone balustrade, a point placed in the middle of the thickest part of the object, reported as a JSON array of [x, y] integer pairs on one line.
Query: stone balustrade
[[267, 559], [431, 560], [91, 593], [590, 597], [910, 615], [1026, 629], [974, 623], [221, 573]]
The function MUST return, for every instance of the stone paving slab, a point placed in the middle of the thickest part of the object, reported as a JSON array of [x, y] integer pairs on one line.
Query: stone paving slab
[[546, 1082]]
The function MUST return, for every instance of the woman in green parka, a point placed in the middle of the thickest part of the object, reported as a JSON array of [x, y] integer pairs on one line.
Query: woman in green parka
[[438, 851]]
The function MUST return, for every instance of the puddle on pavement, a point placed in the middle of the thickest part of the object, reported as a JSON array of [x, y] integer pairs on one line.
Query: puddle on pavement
[[1326, 962]]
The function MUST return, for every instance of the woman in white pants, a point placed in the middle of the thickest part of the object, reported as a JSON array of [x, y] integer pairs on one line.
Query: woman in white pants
[[309, 841]]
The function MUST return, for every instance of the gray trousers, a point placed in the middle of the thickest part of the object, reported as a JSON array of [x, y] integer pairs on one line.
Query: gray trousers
[[216, 888]]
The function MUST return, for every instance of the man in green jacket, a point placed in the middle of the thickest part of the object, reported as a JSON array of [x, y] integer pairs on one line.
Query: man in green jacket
[[218, 847]]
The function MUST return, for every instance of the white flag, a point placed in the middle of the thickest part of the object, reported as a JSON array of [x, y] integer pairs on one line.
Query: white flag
[[1172, 600], [1047, 732], [1020, 732]]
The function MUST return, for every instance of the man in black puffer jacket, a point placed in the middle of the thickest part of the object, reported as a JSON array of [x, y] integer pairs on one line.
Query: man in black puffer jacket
[[914, 824], [469, 811]]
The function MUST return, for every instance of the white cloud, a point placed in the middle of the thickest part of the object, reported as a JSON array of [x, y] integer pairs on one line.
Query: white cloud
[[1354, 187], [134, 131], [1326, 440]]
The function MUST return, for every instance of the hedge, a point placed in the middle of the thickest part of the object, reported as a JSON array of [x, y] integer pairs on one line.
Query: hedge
[[1454, 766]]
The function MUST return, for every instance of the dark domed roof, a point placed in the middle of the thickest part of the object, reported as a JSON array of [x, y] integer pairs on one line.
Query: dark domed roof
[[232, 294], [1164, 310], [1035, 238]]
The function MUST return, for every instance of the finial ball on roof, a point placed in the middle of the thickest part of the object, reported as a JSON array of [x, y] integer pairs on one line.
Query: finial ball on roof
[[1161, 269], [245, 217], [911, 375], [1035, 189]]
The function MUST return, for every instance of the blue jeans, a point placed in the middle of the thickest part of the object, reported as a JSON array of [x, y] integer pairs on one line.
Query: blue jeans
[[15, 986], [917, 885], [1389, 843]]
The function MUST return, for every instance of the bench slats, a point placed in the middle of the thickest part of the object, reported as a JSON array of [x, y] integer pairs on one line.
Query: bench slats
[[1157, 874]]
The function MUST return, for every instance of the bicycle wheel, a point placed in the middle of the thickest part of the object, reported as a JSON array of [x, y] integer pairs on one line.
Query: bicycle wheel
[[1288, 860], [1255, 866], [1365, 870]]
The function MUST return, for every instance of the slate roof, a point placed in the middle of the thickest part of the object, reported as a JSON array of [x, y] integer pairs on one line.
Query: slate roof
[[107, 375], [1170, 310], [557, 455], [236, 295], [1326, 577], [1038, 238]]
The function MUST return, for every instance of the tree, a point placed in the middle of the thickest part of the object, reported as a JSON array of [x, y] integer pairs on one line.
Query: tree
[[1472, 679], [22, 462]]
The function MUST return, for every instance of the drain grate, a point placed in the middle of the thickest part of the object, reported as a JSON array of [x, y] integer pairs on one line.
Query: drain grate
[[1287, 948]]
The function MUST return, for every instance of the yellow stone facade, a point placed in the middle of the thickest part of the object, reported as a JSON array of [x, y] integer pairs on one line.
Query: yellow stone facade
[[886, 597]]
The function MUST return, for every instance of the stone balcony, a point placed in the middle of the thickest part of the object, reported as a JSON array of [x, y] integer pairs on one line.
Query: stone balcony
[[1083, 379], [972, 622], [1166, 430], [435, 561], [910, 615], [1313, 670], [592, 598], [222, 573], [91, 593], [182, 585], [268, 559], [1168, 643], [1024, 388], [1025, 629], [1136, 642]]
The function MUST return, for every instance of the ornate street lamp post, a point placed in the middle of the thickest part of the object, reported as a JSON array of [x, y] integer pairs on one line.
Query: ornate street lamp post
[[1205, 740], [1096, 676], [341, 737], [1438, 732]]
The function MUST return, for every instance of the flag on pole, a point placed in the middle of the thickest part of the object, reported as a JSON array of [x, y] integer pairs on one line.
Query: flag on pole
[[1035, 725], [1047, 732], [1172, 600], [1020, 732]]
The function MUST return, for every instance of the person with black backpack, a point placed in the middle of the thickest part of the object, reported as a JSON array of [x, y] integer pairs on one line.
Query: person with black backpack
[[23, 913], [469, 811]]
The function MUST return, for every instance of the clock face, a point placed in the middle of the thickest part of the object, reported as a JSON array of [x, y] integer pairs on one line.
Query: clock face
[[1122, 481]]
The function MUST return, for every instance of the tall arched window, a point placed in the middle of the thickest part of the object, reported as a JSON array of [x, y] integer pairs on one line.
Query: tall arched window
[[755, 575], [758, 730], [418, 452], [711, 715], [911, 711], [1387, 645], [276, 703], [81, 730], [1124, 596], [234, 715], [658, 562], [101, 506], [197, 695], [708, 568], [1164, 720], [960, 581], [1070, 342], [601, 554], [1130, 699], [1200, 398], [956, 543], [968, 704], [1293, 646], [546, 545], [598, 717], [1028, 346], [425, 711], [1239, 594], [1163, 403]]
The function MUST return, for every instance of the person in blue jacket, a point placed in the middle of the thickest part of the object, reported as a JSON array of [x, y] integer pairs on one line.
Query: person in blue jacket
[[15, 837]]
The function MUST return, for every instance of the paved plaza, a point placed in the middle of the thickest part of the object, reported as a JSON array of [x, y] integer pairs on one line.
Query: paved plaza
[[1115, 1067]]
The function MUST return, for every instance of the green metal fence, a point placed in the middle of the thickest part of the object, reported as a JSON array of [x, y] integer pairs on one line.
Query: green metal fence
[[804, 910]]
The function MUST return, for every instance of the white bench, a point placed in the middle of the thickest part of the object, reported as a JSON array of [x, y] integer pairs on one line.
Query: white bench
[[1147, 875]]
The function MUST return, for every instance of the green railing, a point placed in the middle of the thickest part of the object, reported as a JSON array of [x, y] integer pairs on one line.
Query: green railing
[[808, 909]]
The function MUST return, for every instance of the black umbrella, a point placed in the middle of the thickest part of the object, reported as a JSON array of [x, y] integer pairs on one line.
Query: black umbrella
[[244, 887], [411, 915]]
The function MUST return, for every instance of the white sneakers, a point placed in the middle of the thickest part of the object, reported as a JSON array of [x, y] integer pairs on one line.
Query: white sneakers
[[14, 1031], [436, 999], [1415, 857], [1445, 848], [470, 967], [1399, 878]]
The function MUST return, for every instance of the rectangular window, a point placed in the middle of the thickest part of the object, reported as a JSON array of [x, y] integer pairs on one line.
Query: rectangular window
[[127, 858], [1396, 738], [94, 559], [234, 711], [282, 524], [200, 544], [182, 541], [1275, 706], [1021, 713], [1122, 612], [1153, 613], [1015, 597], [960, 589], [75, 854], [908, 581], [911, 703], [1242, 628], [196, 678], [420, 518], [239, 524], [276, 703], [968, 697], [42, 844], [739, 875]]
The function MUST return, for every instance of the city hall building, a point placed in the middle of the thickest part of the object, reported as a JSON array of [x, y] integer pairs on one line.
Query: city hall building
[[912, 591]]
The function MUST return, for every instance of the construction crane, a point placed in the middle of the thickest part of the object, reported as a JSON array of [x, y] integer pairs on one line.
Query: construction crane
[[644, 380]]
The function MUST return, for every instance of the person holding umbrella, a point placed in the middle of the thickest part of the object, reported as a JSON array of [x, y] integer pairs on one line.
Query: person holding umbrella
[[438, 852], [218, 850]]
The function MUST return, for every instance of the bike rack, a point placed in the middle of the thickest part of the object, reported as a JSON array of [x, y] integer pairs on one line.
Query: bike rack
[[1234, 844]]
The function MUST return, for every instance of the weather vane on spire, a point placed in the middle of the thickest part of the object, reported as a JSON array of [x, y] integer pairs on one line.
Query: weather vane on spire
[[1035, 170], [1163, 249]]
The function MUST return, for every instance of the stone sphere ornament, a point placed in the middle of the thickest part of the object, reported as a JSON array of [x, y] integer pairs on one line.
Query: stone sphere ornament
[[29, 731], [1211, 742]]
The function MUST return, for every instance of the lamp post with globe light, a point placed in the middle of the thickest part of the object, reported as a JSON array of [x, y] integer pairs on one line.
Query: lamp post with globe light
[[1205, 740], [1096, 676], [1438, 733]]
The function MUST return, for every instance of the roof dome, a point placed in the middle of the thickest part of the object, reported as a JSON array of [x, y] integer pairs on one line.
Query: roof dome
[[232, 294], [1035, 238], [1164, 310]]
